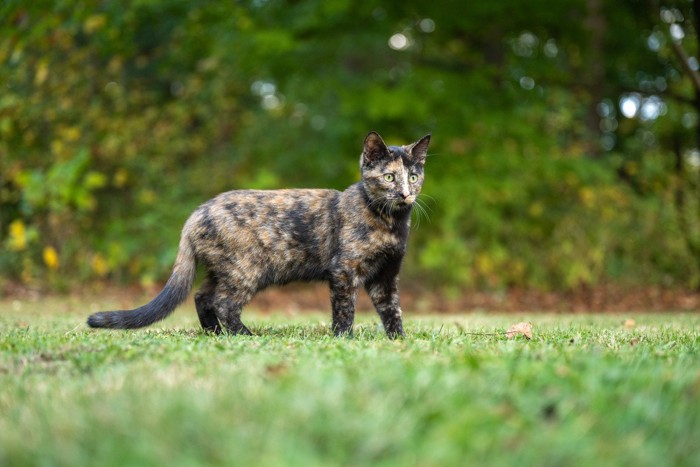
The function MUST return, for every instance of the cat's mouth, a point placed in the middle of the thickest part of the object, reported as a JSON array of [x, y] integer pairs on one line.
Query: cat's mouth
[[399, 202]]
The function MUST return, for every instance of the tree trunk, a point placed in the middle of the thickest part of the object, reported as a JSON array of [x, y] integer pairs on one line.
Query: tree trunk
[[595, 79]]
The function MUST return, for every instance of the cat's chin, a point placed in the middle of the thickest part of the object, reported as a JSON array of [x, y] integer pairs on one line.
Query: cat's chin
[[402, 205]]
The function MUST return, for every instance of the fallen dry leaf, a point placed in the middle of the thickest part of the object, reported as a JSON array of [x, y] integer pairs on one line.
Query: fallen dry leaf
[[520, 328], [276, 369]]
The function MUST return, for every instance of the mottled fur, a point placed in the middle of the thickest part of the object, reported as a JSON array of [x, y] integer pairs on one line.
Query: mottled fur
[[248, 240]]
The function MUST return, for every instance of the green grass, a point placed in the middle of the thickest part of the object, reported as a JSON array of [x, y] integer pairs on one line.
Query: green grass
[[584, 391]]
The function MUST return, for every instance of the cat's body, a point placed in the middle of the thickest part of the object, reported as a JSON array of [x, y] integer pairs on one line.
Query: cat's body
[[248, 240]]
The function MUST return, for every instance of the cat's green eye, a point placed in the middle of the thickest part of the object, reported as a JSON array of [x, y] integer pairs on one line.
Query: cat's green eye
[[389, 177], [413, 178]]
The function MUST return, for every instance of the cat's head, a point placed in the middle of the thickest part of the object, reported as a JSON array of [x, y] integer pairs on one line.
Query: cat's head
[[393, 175]]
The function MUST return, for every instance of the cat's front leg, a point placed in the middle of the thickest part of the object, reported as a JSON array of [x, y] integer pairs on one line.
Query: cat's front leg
[[343, 294], [384, 292]]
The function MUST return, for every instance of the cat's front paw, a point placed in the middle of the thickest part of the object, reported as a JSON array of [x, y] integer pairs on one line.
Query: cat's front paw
[[396, 335], [395, 330], [342, 331]]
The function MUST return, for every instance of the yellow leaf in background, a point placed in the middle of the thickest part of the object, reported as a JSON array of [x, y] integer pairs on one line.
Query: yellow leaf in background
[[71, 134], [99, 265], [484, 264], [587, 196], [57, 147], [42, 72], [93, 23], [17, 240], [95, 179], [536, 209], [50, 258], [120, 178], [147, 196], [147, 281]]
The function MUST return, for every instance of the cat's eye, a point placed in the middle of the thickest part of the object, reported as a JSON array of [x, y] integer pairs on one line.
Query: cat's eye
[[389, 177], [413, 178]]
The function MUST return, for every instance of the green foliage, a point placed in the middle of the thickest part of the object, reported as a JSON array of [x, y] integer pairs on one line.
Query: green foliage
[[118, 119], [584, 391], [510, 216]]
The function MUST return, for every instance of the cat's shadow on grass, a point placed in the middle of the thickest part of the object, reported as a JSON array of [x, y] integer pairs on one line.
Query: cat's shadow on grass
[[308, 332]]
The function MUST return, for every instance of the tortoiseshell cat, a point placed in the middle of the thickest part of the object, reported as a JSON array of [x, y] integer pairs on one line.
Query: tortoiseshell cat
[[248, 240]]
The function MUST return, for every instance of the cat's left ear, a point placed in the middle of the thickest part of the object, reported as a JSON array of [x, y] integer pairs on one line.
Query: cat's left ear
[[419, 149]]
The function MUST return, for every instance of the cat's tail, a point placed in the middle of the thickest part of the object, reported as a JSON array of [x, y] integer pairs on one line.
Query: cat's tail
[[173, 294]]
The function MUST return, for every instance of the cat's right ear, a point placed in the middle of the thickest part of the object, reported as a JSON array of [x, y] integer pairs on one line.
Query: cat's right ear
[[419, 149], [374, 149]]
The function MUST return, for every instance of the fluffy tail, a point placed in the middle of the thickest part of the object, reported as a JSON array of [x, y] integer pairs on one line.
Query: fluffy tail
[[173, 294]]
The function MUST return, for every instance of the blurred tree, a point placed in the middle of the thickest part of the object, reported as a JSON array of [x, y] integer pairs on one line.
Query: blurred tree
[[563, 131], [658, 89], [678, 24]]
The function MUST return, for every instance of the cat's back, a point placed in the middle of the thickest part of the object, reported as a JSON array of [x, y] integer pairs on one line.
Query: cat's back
[[270, 220], [242, 204]]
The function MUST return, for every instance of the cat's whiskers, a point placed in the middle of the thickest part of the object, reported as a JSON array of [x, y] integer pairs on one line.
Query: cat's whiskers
[[425, 195], [380, 204], [422, 209], [390, 207], [420, 213], [383, 206]]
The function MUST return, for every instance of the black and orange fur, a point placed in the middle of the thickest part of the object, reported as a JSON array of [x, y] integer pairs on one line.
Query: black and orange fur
[[248, 240]]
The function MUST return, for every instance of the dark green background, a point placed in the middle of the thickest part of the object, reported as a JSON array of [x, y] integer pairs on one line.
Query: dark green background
[[118, 118]]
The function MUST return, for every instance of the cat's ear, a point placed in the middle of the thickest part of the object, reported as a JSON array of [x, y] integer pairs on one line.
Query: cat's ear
[[374, 149], [419, 149]]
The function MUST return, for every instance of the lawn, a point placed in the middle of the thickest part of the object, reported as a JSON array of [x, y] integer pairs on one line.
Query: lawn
[[586, 390]]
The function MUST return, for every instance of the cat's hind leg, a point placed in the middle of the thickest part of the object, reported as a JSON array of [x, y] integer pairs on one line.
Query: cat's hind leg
[[228, 302], [206, 310]]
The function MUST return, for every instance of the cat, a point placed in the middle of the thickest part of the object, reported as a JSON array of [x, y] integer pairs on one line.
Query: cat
[[250, 239]]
